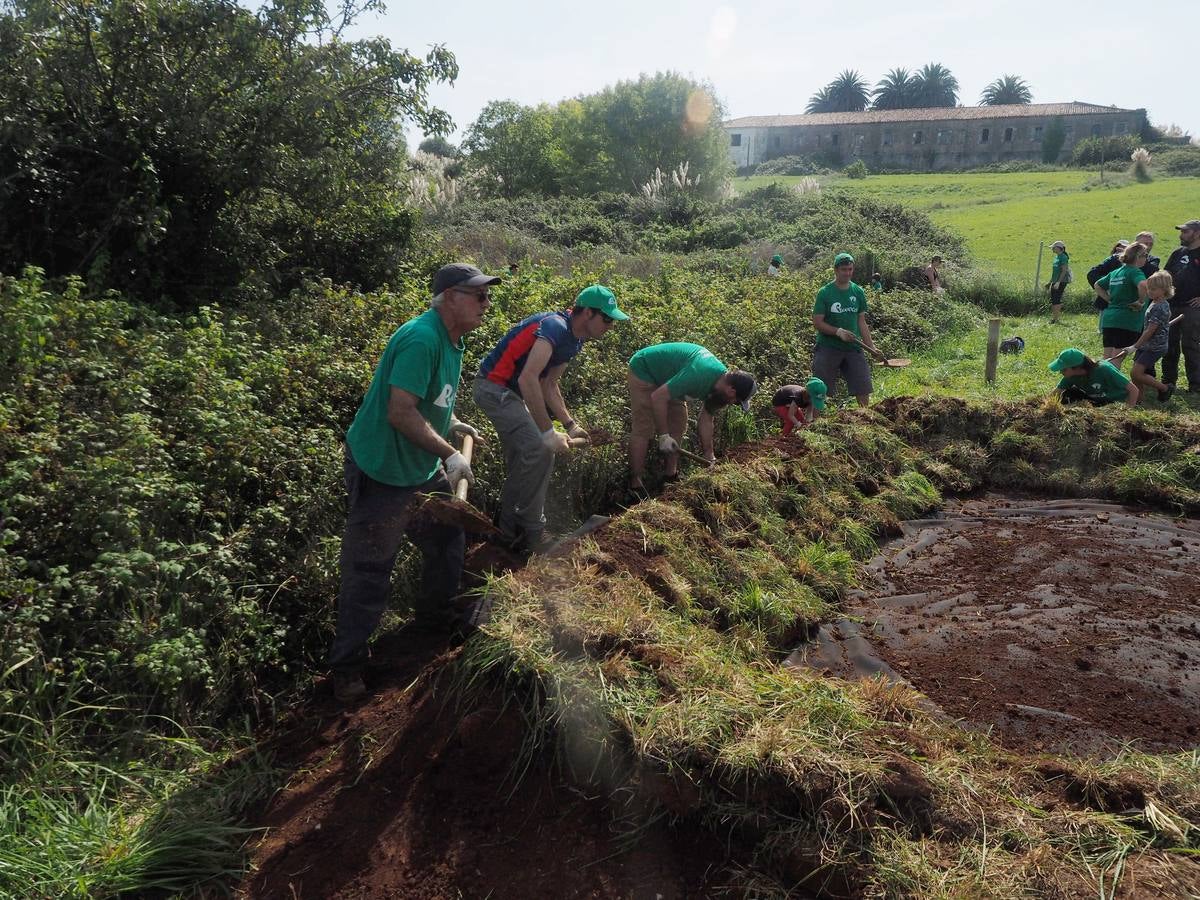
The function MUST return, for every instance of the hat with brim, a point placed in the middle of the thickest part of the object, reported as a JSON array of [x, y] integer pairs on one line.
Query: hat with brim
[[777, 260], [743, 385], [1058, 244], [461, 275], [601, 299], [843, 259], [817, 391], [1189, 225], [1068, 359]]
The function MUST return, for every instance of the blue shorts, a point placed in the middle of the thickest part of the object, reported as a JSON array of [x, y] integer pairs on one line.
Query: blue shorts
[[1147, 358]]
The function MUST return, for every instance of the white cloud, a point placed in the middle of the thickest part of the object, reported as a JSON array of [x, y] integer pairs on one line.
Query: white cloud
[[720, 31]]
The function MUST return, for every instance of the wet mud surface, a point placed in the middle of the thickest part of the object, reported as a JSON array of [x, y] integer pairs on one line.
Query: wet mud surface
[[1056, 625]]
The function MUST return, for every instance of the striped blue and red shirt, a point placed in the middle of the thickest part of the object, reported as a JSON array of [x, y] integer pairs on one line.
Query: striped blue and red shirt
[[504, 364]]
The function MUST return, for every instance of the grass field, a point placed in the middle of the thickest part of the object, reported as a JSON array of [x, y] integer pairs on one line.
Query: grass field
[[1004, 216]]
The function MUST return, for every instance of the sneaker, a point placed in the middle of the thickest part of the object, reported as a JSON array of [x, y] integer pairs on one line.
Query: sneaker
[[348, 687], [1164, 396]]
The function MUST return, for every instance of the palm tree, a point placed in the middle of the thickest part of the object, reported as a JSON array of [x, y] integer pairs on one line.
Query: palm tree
[[846, 93], [936, 86], [1006, 90], [895, 90]]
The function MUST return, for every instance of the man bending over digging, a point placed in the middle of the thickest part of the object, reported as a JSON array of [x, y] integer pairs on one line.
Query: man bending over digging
[[661, 378], [517, 388], [1099, 383], [840, 317]]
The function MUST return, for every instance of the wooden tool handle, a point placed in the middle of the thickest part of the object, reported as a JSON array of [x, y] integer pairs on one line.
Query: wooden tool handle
[[694, 457], [879, 353], [468, 449]]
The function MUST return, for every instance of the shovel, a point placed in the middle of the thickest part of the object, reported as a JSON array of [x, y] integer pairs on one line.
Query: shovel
[[457, 511], [1117, 356], [897, 363]]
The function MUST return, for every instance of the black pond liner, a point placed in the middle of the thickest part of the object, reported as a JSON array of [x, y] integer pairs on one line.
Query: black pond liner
[[1058, 625]]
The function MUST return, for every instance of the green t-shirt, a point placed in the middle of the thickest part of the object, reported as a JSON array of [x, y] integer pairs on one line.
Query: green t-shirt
[[1105, 382], [688, 370], [1122, 287], [1061, 262], [840, 309], [419, 359]]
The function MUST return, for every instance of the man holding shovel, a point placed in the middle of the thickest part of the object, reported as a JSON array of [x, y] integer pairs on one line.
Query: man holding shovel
[[518, 389], [396, 447], [840, 317], [661, 378]]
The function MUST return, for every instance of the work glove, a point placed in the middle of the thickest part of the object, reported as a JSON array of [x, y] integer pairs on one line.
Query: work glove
[[845, 335], [555, 441], [577, 431], [1131, 350], [460, 427], [668, 444], [457, 468]]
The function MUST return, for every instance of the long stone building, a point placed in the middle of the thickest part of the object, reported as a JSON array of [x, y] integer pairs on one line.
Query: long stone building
[[926, 139]]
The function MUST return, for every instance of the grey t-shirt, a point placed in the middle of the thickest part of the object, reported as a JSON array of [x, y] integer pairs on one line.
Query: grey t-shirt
[[1161, 314]]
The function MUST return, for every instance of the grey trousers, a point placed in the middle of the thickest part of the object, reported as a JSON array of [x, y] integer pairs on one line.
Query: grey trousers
[[1185, 339], [375, 526], [527, 463]]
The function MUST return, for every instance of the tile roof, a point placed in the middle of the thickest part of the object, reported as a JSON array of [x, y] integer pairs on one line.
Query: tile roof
[[934, 114]]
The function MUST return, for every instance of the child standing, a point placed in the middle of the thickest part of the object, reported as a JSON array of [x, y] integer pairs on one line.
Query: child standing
[[1152, 345]]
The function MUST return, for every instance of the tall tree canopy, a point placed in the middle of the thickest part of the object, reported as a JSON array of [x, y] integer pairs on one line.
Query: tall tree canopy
[[1008, 89], [848, 92], [895, 90], [177, 148], [935, 86]]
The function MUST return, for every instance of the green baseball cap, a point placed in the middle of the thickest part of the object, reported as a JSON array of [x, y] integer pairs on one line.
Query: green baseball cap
[[600, 298], [816, 391], [1068, 359], [841, 259], [777, 259]]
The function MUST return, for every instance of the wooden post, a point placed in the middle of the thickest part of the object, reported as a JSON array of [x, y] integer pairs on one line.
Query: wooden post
[[993, 350], [1037, 275]]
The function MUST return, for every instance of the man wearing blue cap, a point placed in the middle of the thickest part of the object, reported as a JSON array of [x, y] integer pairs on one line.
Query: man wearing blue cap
[[518, 389]]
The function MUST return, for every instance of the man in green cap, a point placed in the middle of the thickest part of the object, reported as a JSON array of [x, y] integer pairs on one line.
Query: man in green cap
[[840, 317], [775, 266], [518, 389], [798, 406], [1099, 383], [661, 378]]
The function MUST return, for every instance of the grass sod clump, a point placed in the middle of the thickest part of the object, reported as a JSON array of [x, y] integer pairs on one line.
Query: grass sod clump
[[643, 662]]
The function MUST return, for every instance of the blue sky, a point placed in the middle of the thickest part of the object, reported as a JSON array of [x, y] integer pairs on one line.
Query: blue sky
[[765, 57]]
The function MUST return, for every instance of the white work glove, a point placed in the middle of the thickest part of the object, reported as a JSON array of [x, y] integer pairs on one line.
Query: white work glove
[[555, 441], [459, 427], [577, 431], [1131, 350], [457, 468], [668, 444], [845, 335]]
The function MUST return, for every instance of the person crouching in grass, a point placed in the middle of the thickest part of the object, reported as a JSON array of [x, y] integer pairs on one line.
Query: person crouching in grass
[[1099, 383], [1152, 345], [798, 406]]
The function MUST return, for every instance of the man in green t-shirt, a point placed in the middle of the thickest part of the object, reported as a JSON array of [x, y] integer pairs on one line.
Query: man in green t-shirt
[[840, 317], [396, 447], [661, 378], [1099, 383]]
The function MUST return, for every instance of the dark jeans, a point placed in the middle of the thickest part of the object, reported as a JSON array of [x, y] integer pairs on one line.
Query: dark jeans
[[376, 523], [1185, 339]]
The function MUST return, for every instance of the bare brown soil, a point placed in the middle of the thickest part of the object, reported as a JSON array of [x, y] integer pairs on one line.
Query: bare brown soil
[[1055, 629], [410, 796]]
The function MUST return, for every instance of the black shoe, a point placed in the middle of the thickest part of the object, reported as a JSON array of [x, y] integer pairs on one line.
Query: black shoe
[[1164, 396], [348, 687]]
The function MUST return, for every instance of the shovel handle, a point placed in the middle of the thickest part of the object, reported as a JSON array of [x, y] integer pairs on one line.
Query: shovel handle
[[694, 457], [1116, 356], [874, 351], [468, 450]]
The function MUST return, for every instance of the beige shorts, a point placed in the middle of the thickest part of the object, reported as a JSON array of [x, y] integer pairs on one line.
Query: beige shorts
[[643, 413]]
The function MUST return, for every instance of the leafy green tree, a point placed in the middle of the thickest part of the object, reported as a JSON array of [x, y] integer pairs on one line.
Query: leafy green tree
[[1053, 140], [896, 90], [514, 146], [848, 92], [180, 148], [438, 145], [1006, 90], [935, 86]]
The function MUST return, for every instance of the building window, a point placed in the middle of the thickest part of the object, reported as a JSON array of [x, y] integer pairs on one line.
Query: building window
[[775, 141], [945, 137], [735, 140], [1069, 131], [1122, 128], [1008, 135], [1037, 132], [985, 135], [795, 140], [1097, 130], [859, 140], [918, 136], [835, 139], [887, 139]]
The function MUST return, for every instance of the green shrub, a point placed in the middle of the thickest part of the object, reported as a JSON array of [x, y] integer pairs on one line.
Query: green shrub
[[1178, 161], [791, 165], [856, 169], [1091, 151]]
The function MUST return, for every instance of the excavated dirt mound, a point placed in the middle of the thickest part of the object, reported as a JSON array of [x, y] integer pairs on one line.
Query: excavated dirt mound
[[1061, 625], [409, 796]]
